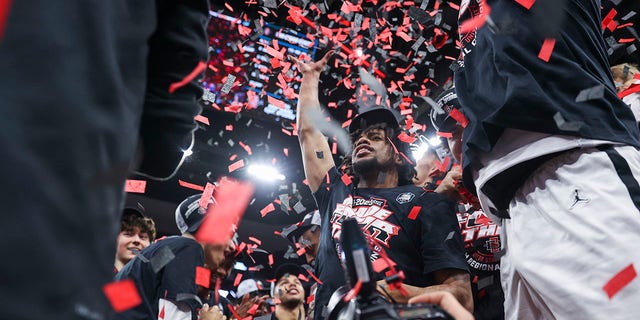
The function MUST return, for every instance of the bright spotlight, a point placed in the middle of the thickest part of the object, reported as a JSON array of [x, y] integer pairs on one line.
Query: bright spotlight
[[418, 152], [435, 141], [264, 172], [188, 152]]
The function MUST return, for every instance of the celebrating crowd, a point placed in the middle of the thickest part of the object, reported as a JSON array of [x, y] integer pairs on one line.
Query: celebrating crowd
[[529, 209]]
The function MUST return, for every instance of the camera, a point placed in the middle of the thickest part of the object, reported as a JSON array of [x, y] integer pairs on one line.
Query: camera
[[369, 304]]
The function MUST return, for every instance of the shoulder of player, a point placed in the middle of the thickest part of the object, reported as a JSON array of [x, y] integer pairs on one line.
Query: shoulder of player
[[432, 199]]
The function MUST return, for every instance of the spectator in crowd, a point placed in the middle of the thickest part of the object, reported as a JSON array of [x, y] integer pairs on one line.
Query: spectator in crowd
[[85, 85], [305, 234], [552, 153], [136, 233], [165, 272], [378, 184], [288, 294], [252, 293], [626, 78]]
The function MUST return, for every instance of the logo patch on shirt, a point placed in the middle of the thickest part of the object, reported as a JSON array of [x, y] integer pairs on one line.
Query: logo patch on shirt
[[405, 197]]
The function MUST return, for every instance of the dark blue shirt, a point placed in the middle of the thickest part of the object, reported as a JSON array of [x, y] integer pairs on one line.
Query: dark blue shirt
[[502, 83], [419, 245], [175, 281]]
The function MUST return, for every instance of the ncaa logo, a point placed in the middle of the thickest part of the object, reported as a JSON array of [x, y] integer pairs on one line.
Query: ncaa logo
[[405, 197]]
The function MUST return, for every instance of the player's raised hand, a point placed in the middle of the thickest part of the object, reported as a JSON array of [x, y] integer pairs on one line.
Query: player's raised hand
[[317, 66]]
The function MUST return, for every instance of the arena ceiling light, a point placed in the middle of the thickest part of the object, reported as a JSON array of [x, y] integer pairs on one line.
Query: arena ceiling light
[[265, 172]]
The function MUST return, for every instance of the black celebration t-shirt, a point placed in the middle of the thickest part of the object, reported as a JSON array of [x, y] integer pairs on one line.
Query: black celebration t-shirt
[[417, 229], [174, 260]]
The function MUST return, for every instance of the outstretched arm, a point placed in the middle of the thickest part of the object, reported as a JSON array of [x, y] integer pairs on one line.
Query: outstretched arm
[[316, 155], [453, 281]]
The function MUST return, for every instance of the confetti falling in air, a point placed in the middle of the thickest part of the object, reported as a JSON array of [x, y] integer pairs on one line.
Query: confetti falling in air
[[161, 258], [547, 49], [526, 3], [413, 214], [593, 93], [222, 218], [203, 277], [620, 280], [135, 186], [190, 185], [5, 6], [122, 295]]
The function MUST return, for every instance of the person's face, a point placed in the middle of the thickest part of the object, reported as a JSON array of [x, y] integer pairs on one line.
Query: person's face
[[455, 142], [219, 258], [310, 239], [425, 168], [131, 240], [289, 290], [372, 150]]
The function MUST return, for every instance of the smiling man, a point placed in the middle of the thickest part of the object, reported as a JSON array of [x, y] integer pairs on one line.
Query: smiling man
[[288, 293], [165, 272], [136, 233], [418, 230]]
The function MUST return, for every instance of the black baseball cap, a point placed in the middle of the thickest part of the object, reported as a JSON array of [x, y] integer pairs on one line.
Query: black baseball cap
[[288, 268], [189, 213], [440, 114], [373, 116], [294, 231], [137, 211]]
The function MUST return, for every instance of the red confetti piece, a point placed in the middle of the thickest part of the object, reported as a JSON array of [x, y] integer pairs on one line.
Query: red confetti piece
[[301, 251], [313, 276], [161, 314], [229, 127], [206, 195], [346, 179], [303, 277], [353, 292], [620, 280], [267, 209], [276, 102], [202, 119], [5, 5], [547, 49], [253, 309], [257, 241], [236, 281], [236, 165], [380, 264], [190, 185], [270, 259], [609, 18], [444, 134], [413, 214], [203, 277], [459, 117], [135, 186], [222, 218], [122, 295], [404, 137], [526, 3], [476, 22], [196, 71], [233, 311]]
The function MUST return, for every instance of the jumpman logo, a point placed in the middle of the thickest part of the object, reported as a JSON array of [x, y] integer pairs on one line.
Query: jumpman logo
[[577, 199]]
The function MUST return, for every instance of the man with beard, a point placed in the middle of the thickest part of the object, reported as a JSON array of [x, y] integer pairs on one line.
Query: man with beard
[[288, 293], [417, 230], [165, 272]]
